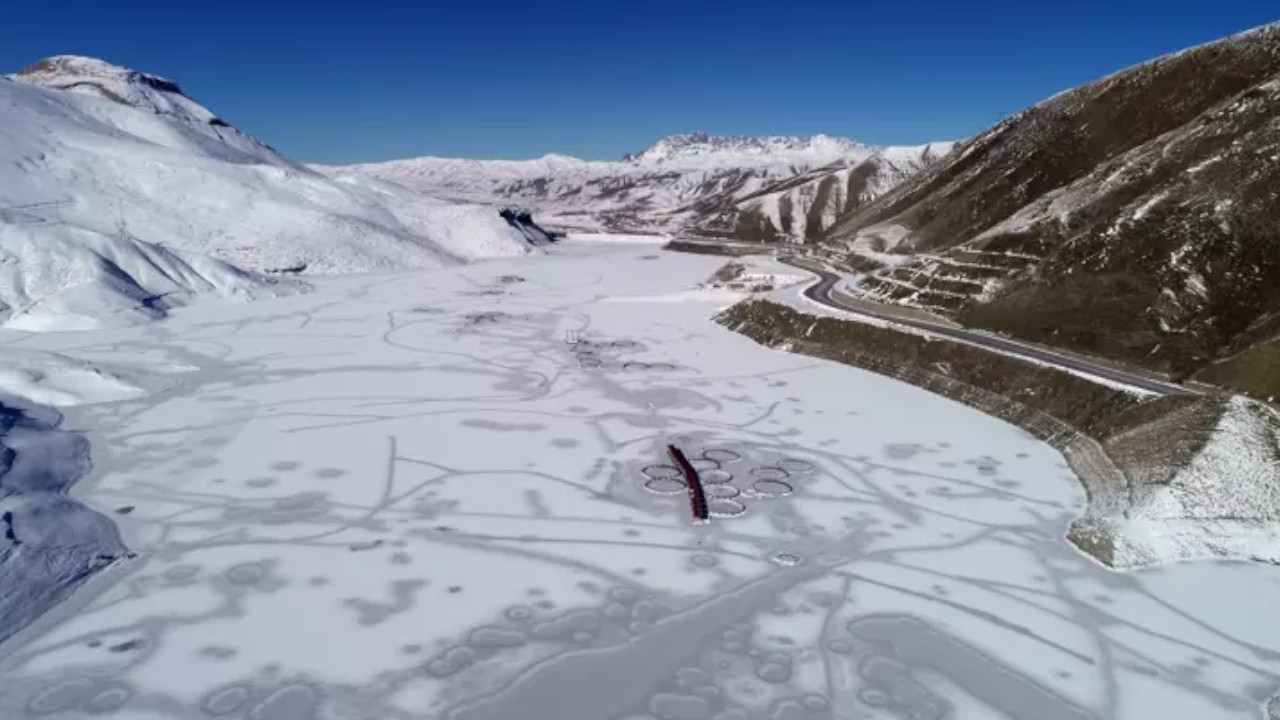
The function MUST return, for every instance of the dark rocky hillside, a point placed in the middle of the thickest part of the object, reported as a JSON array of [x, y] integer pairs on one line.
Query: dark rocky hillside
[[1137, 217], [800, 208]]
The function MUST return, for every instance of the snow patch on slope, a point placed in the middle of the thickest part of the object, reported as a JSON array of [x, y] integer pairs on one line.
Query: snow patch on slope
[[1223, 503], [60, 381], [68, 278]]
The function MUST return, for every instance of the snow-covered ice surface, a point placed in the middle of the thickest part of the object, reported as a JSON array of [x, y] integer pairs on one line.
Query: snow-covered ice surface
[[445, 494]]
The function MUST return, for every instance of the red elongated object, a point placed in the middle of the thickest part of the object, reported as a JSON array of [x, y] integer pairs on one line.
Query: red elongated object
[[697, 497]]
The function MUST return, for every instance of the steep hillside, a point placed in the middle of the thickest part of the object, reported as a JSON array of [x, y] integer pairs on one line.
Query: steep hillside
[[800, 208], [768, 189], [1137, 217], [119, 196]]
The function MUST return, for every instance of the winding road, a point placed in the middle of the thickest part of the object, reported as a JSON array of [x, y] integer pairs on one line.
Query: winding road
[[822, 292]]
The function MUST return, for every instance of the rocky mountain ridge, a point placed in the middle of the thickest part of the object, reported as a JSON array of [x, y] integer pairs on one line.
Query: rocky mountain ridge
[[766, 189], [701, 144]]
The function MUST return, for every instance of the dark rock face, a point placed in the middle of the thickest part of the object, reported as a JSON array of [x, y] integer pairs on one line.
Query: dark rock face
[[1137, 217], [523, 222]]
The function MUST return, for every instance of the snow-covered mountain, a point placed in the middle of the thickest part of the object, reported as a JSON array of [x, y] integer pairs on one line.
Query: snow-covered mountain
[[769, 188], [701, 148], [1135, 217], [189, 125], [120, 196]]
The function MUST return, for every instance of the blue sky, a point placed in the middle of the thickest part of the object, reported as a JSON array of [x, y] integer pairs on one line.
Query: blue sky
[[374, 80]]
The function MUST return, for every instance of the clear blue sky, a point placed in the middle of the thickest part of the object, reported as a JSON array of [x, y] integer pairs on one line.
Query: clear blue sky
[[373, 80]]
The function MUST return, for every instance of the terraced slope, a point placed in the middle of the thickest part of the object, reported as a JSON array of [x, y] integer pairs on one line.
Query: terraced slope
[[1137, 217]]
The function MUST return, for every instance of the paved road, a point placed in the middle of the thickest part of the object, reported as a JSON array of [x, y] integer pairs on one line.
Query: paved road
[[821, 292]]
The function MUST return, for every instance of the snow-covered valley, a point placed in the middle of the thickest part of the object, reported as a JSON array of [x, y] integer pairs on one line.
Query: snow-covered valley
[[445, 493], [291, 442]]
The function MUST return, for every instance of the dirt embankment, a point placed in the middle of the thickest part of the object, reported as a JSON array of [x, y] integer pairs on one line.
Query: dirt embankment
[[1141, 458], [713, 248]]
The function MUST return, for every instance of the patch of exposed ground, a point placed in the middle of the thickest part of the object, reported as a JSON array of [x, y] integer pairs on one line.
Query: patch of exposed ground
[[1254, 372], [758, 276], [716, 248]]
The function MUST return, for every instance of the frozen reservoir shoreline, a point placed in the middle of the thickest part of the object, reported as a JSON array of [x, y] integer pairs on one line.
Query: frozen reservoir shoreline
[[460, 477], [49, 542]]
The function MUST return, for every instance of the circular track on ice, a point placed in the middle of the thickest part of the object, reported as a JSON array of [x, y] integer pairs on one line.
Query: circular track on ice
[[772, 488], [716, 477], [725, 508], [666, 486], [769, 473], [704, 465], [723, 492], [721, 455], [662, 472], [648, 367], [796, 466]]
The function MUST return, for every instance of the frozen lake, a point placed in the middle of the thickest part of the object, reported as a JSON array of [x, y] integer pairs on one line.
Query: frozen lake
[[446, 494]]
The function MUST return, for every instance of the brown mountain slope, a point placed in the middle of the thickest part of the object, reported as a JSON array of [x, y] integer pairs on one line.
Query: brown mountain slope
[[1137, 217], [800, 208]]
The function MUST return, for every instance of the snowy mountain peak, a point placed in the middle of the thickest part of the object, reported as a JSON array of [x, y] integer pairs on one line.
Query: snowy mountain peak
[[557, 160], [59, 69], [702, 144], [99, 78], [123, 97]]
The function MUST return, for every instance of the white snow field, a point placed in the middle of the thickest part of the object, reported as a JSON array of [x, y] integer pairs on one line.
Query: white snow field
[[120, 197], [446, 494]]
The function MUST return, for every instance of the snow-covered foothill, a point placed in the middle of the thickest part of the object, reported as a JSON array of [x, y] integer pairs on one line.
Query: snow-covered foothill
[[60, 381], [61, 277]]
